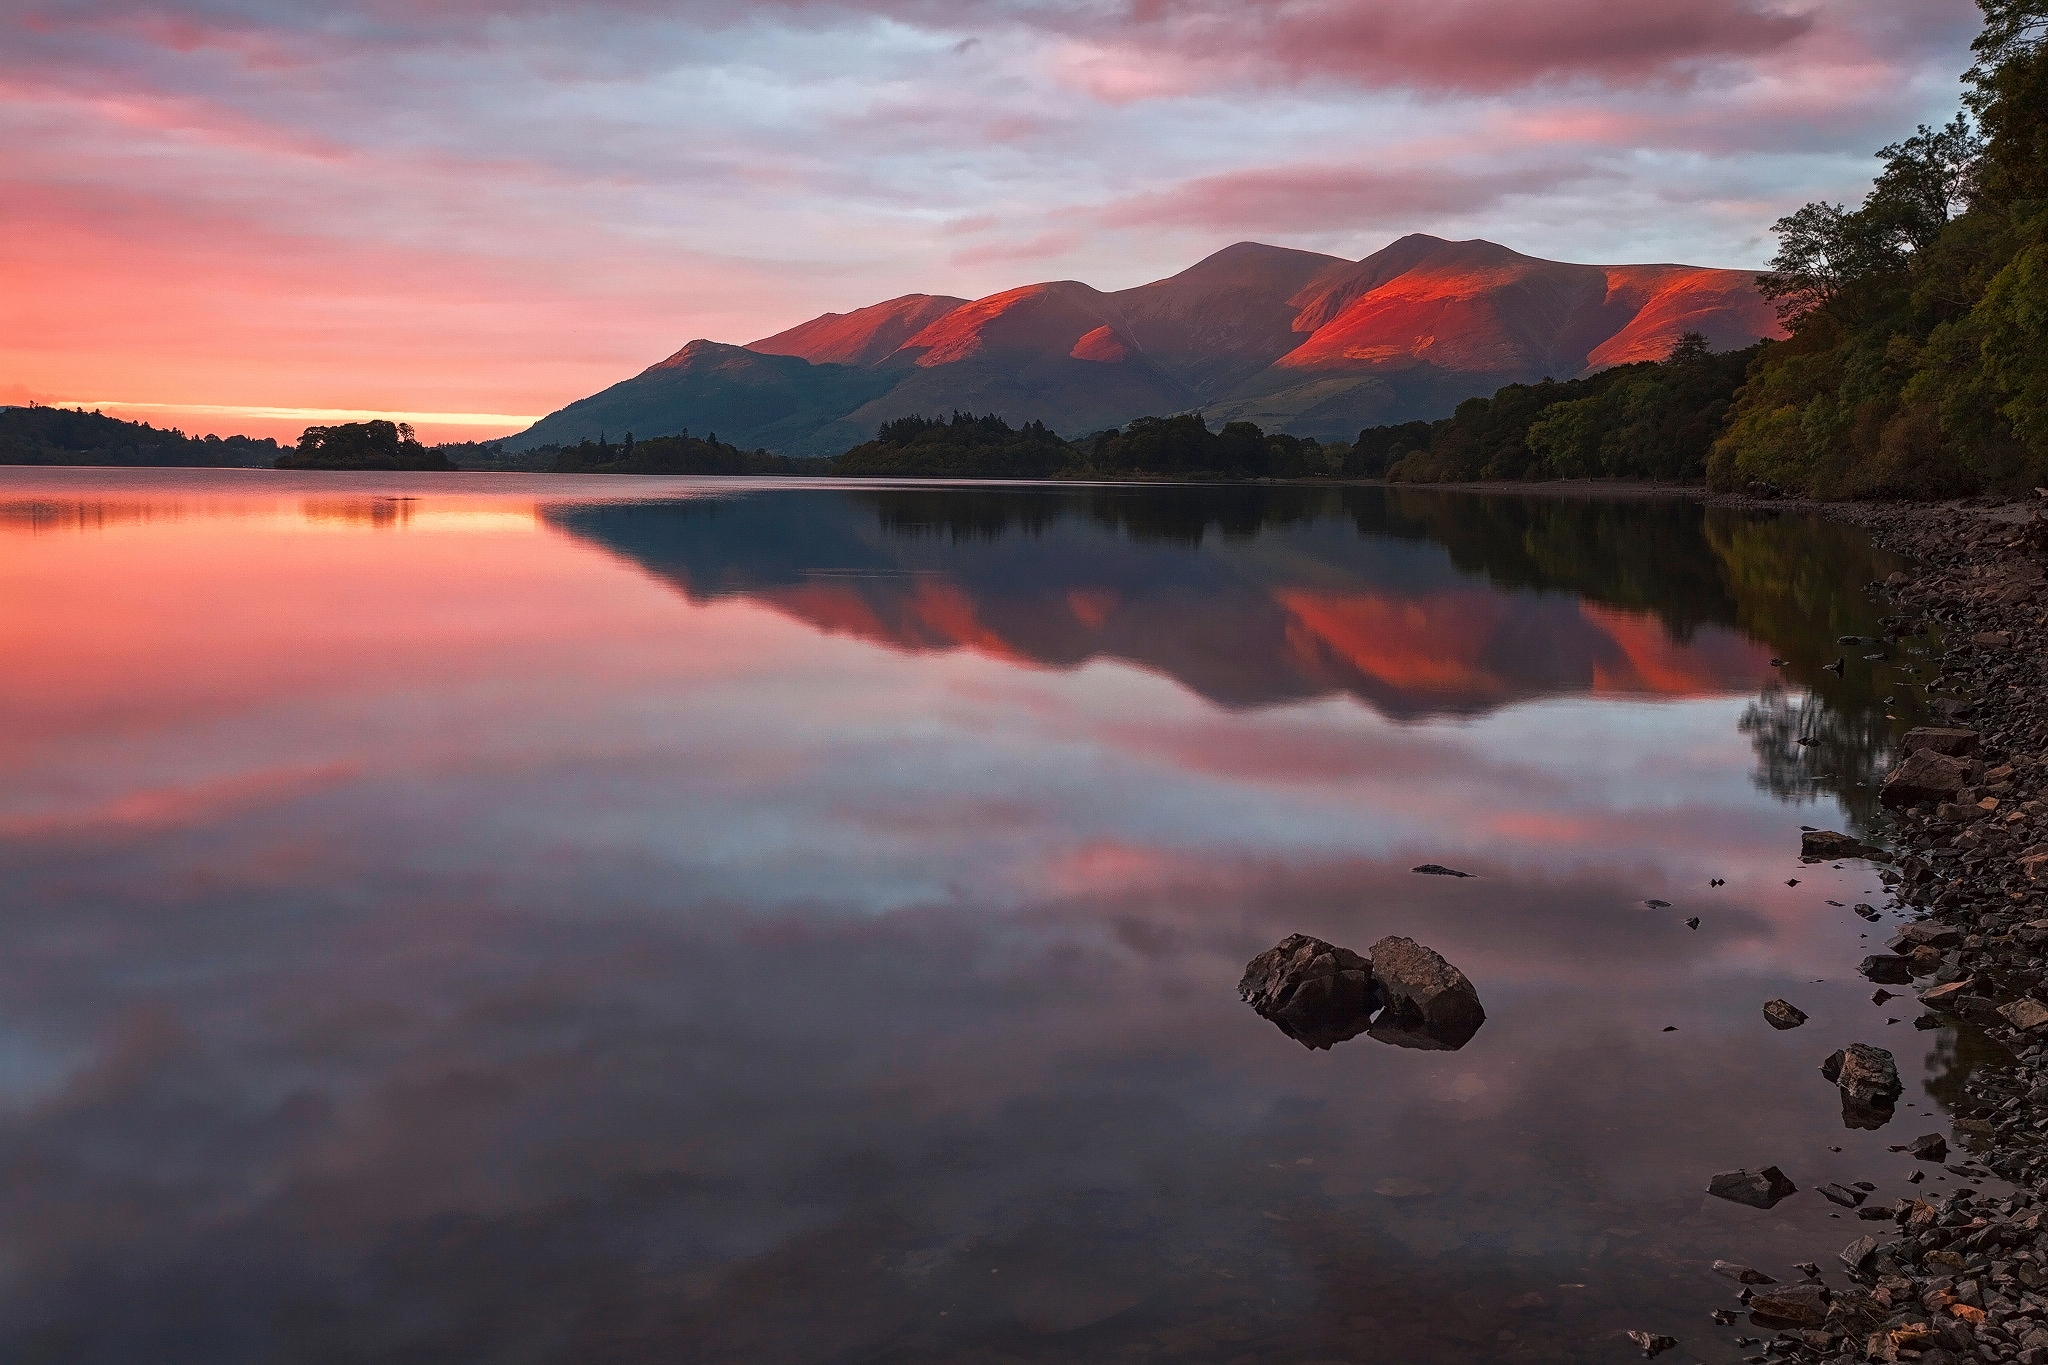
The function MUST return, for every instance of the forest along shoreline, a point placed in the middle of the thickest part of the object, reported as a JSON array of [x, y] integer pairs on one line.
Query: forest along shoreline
[[1964, 1276]]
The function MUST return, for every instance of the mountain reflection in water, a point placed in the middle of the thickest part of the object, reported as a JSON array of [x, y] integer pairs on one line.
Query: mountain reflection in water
[[468, 918]]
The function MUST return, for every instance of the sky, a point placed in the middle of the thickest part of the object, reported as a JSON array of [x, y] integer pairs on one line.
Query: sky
[[248, 215]]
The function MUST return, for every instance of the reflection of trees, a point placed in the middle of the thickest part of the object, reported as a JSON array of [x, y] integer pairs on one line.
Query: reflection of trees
[[1843, 751], [1958, 1055], [1787, 580]]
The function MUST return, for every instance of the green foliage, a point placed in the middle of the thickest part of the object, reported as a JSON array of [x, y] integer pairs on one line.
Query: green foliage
[[680, 454], [363, 445], [967, 447], [1184, 447], [72, 436], [1654, 420], [1918, 363]]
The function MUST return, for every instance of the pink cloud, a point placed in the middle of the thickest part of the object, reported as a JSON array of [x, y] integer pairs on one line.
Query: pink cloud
[[1310, 198]]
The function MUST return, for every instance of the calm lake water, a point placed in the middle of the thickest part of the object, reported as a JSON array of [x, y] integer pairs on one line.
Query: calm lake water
[[492, 919]]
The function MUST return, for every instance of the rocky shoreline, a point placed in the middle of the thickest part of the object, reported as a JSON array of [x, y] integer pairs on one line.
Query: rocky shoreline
[[1963, 1276]]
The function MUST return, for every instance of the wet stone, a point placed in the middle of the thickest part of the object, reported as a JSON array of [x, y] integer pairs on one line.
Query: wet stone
[[1829, 844], [1796, 1305], [1429, 1003], [1759, 1189], [1924, 775], [2025, 1014], [1869, 1081], [1742, 1274], [1783, 1014], [1887, 968], [1317, 993], [1950, 742]]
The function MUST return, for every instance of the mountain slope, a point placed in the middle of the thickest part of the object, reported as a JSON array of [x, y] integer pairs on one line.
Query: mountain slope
[[862, 337], [1297, 341]]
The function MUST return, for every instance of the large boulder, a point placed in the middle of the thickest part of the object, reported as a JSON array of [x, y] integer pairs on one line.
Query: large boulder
[[1791, 1305], [1869, 1082], [1925, 775], [1429, 1003], [1954, 743], [1317, 993], [1827, 843]]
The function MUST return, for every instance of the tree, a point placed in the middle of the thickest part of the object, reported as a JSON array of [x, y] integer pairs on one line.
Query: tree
[[1927, 181], [2013, 31], [1820, 251]]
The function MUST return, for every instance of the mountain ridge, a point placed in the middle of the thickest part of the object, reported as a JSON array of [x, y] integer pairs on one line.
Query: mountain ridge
[[1301, 342]]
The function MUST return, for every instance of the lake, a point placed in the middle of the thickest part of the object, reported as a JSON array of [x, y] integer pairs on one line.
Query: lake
[[517, 919]]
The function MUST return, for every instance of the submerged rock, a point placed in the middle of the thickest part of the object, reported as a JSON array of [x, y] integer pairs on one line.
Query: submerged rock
[[1317, 993], [1758, 1189]]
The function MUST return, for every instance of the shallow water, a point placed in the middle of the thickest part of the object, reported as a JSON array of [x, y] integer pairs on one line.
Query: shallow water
[[476, 918]]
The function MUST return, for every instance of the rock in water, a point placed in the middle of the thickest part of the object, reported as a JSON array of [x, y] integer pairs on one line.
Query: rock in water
[[1741, 1273], [1758, 1189], [1928, 1147], [1869, 1082], [1888, 968], [1439, 870], [1429, 1003], [1317, 993], [1925, 775], [1653, 1343], [1783, 1014], [1826, 843], [1793, 1305]]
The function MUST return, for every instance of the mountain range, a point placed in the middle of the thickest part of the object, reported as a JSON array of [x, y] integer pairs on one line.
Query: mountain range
[[1295, 341]]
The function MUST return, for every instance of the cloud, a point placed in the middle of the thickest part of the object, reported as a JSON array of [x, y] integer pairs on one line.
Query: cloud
[[1461, 45], [1314, 198]]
